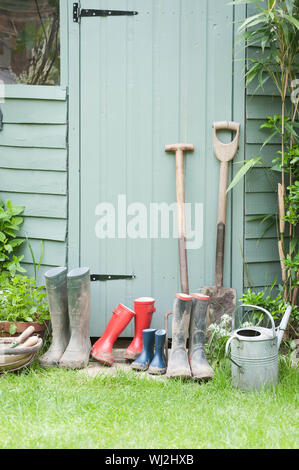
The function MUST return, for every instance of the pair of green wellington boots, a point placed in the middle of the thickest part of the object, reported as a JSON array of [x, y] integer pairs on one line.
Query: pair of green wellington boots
[[69, 305], [189, 320]]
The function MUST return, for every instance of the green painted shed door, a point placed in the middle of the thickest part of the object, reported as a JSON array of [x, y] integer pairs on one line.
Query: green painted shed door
[[160, 77]]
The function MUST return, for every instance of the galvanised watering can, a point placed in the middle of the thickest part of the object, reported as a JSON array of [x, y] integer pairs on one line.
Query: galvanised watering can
[[254, 353]]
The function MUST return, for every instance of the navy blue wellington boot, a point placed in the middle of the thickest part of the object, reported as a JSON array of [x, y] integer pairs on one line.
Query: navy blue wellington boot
[[158, 364], [145, 358]]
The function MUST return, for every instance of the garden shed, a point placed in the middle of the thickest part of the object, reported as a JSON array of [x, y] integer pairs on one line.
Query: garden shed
[[82, 144]]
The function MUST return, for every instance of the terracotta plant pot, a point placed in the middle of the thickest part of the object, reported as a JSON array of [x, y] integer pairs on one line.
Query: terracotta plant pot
[[40, 328]]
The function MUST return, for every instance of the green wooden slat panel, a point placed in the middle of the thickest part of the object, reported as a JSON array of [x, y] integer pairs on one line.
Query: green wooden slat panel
[[253, 9], [33, 135], [263, 274], [259, 180], [260, 203], [41, 274], [24, 111], [256, 229], [54, 252], [259, 107], [24, 181], [269, 89], [39, 205], [45, 229], [273, 292], [35, 92], [261, 250], [255, 135], [256, 53], [267, 153], [33, 158]]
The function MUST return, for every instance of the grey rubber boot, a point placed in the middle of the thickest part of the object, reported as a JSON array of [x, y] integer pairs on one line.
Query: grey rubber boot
[[56, 287], [76, 355], [178, 364], [200, 368]]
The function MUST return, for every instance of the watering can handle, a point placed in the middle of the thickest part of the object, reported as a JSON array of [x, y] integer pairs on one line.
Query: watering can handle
[[226, 350], [265, 311]]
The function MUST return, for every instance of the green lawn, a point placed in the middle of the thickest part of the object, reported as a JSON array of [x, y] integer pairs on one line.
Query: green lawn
[[58, 409]]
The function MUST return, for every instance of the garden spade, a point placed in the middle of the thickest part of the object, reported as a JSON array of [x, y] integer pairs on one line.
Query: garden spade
[[222, 299]]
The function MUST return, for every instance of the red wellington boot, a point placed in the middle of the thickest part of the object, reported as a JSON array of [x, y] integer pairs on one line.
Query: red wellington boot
[[144, 309], [102, 348]]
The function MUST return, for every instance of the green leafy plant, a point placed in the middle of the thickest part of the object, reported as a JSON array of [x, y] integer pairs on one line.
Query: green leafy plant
[[10, 222], [275, 305], [22, 301]]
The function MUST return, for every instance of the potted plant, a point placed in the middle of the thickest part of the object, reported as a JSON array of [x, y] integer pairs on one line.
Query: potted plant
[[22, 303]]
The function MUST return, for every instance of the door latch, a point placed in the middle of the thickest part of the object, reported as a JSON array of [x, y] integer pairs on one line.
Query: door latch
[[79, 13]]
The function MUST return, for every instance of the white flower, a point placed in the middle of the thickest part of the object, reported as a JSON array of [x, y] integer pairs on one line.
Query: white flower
[[212, 327], [223, 332]]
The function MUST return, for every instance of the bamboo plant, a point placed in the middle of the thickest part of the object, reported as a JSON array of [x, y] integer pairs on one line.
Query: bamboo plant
[[274, 29]]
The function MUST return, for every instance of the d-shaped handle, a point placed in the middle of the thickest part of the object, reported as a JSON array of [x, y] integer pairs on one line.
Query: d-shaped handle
[[1, 120]]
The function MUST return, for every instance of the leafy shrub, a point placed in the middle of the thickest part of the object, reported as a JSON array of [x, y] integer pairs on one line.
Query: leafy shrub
[[10, 222], [21, 300], [276, 306]]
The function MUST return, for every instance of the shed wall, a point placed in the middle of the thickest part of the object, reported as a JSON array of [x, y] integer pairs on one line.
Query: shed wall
[[34, 173], [33, 168]]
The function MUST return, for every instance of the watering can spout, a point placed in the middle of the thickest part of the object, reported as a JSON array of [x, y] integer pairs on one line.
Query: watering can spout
[[283, 324]]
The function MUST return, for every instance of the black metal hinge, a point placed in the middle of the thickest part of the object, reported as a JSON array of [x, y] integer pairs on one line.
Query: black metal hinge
[[84, 12], [110, 277]]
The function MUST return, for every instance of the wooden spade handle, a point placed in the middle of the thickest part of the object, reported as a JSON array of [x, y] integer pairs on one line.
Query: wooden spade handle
[[226, 152], [180, 194], [221, 219]]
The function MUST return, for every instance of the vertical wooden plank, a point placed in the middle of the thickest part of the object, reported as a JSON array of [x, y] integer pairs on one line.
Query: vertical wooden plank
[[115, 156], [93, 154], [74, 141], [63, 5], [103, 149], [165, 130], [138, 148], [218, 107], [238, 192], [193, 128]]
